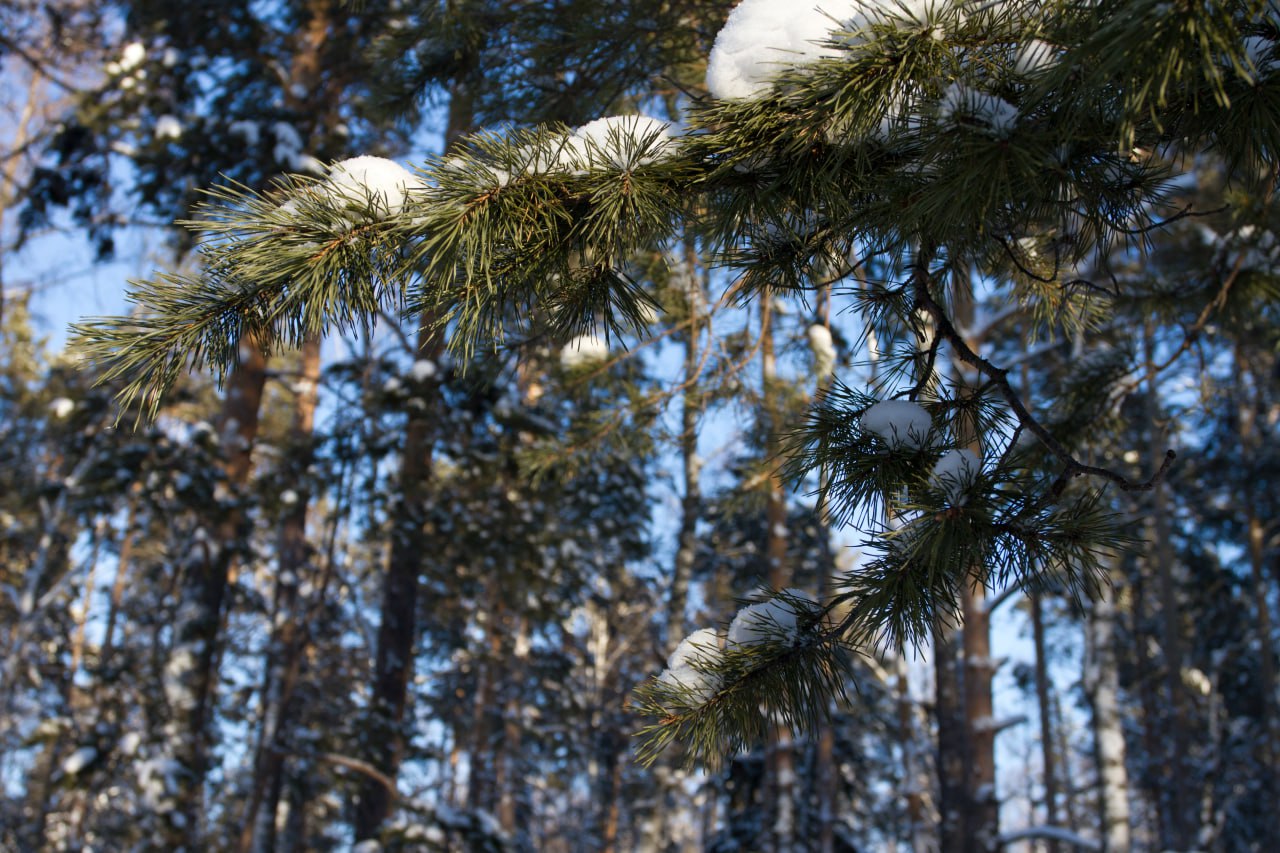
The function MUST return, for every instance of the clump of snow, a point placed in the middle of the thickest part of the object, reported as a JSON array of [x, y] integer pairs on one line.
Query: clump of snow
[[132, 56], [422, 370], [582, 351], [168, 127], [763, 37], [773, 620], [898, 423], [823, 349], [79, 760], [954, 473], [1035, 57], [700, 647], [247, 130], [61, 407], [288, 150], [964, 105], [618, 141], [692, 685], [375, 185]]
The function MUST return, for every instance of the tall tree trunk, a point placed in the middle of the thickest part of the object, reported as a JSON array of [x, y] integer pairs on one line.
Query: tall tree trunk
[[1047, 744], [1181, 820], [1102, 686], [397, 628], [691, 407], [289, 631], [982, 811], [952, 736], [781, 751], [191, 672]]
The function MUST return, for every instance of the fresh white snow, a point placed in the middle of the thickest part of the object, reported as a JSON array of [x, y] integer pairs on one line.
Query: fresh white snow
[[614, 141], [377, 186], [763, 37], [583, 351], [898, 423], [772, 620], [168, 127], [954, 473]]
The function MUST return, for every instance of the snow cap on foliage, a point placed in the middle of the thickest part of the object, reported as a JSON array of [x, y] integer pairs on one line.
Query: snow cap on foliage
[[963, 104], [772, 620], [763, 37], [79, 760], [582, 351], [61, 407], [381, 185], [132, 56], [898, 423], [685, 675], [824, 350], [168, 127], [616, 141], [1034, 57], [955, 472], [422, 370], [700, 647]]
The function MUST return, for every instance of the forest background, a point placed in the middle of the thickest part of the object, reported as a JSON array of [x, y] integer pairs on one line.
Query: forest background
[[361, 593]]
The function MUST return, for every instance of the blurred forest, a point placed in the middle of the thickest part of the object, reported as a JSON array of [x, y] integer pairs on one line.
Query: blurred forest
[[374, 595]]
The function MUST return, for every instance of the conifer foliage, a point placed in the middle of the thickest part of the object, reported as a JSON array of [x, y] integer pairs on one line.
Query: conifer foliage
[[907, 154]]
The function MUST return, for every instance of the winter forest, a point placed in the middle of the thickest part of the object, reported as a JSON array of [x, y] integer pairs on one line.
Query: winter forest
[[639, 425]]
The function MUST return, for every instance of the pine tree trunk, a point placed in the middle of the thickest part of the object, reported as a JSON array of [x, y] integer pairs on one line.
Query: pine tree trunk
[[781, 751], [952, 737], [397, 628], [289, 629], [982, 811], [691, 501], [1047, 744], [1181, 815], [191, 673], [1102, 686]]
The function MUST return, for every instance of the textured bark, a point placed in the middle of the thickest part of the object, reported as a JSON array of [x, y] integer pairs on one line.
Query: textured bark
[[691, 501], [983, 810]]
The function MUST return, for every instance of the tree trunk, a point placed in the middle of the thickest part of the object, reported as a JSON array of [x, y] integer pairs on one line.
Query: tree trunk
[[289, 628], [781, 751], [1047, 744], [397, 628], [1102, 686], [691, 407], [952, 736], [1180, 824], [191, 672]]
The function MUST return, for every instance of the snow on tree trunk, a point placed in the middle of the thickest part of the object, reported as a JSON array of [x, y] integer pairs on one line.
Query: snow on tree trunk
[[190, 674], [287, 645]]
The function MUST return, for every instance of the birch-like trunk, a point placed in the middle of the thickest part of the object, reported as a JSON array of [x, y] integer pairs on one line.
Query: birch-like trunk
[[1102, 686]]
